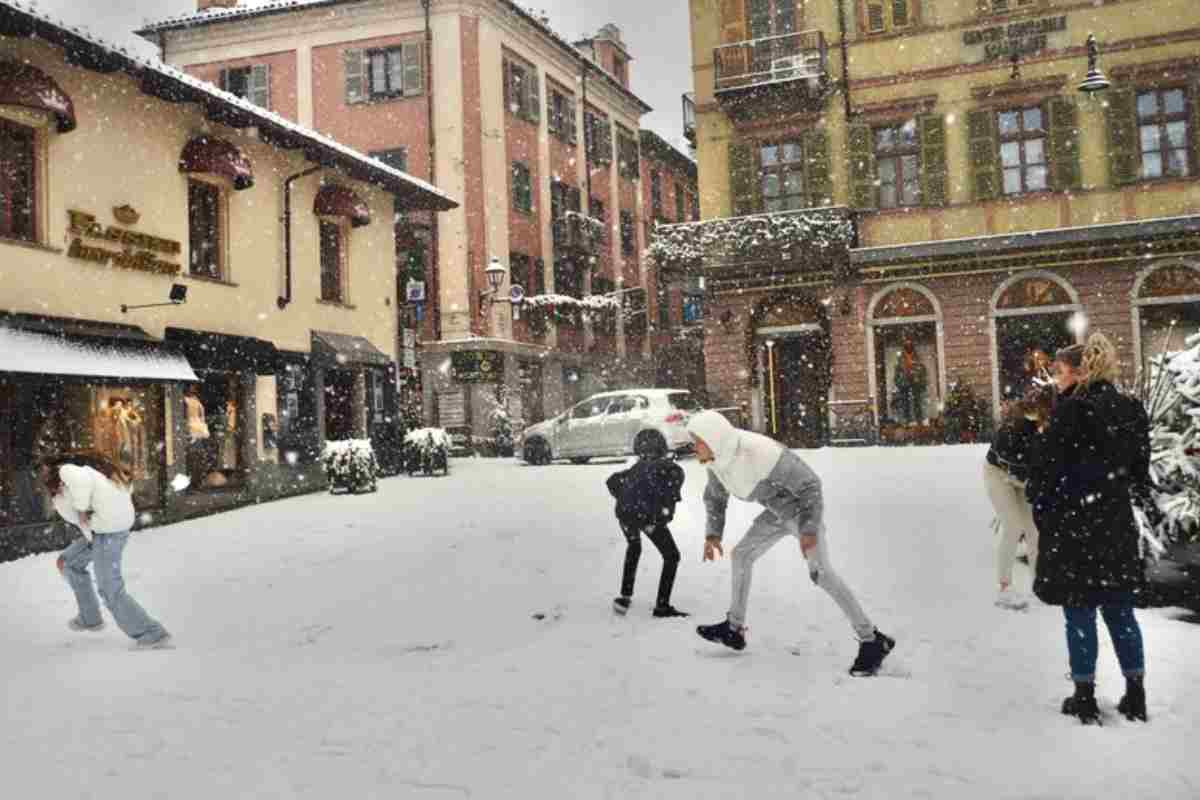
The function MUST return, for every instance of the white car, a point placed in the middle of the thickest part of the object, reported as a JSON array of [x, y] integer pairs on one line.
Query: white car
[[612, 424]]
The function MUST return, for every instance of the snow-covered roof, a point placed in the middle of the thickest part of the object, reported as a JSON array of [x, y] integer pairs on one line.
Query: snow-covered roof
[[46, 354], [244, 11], [82, 47]]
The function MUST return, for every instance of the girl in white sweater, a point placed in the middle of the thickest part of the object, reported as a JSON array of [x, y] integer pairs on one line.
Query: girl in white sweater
[[94, 494]]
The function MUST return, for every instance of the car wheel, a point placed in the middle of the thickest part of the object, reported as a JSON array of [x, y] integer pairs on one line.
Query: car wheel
[[536, 453]]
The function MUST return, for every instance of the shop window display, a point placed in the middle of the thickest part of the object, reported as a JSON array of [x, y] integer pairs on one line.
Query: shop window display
[[214, 457], [1026, 342], [906, 355], [1168, 311]]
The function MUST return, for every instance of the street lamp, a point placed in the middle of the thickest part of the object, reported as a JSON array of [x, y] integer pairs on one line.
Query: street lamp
[[495, 273], [177, 296], [1094, 81]]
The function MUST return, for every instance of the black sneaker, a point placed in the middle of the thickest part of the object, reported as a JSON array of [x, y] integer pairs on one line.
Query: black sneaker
[[1133, 704], [723, 633], [1082, 704], [871, 655], [668, 610], [621, 605]]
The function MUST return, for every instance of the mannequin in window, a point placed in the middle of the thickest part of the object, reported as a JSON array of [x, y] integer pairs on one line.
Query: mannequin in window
[[909, 385], [229, 440], [1037, 370], [198, 436]]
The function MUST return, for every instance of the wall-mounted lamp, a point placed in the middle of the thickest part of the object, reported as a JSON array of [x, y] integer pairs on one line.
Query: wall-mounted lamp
[[1095, 81], [177, 296], [495, 273]]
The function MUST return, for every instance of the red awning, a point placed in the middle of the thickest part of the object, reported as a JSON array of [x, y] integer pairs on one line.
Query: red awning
[[29, 87], [338, 201], [212, 156]]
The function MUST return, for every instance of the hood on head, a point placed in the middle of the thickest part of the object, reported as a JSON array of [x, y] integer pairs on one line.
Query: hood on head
[[717, 432]]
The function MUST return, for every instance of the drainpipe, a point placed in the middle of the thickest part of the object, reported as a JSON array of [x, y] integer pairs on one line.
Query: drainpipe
[[435, 306], [845, 48], [286, 299]]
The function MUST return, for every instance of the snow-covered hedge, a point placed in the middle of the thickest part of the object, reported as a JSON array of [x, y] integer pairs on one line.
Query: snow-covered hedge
[[756, 236], [428, 439], [594, 227], [1173, 403], [350, 465], [593, 303]]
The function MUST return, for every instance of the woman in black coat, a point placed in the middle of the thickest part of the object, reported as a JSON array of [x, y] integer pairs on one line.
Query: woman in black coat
[[1094, 453]]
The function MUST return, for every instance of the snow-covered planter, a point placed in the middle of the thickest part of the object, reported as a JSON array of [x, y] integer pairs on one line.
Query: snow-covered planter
[[785, 235], [1172, 399], [427, 450], [350, 466]]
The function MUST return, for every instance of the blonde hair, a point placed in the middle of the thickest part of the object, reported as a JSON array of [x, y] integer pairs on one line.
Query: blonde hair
[[1100, 360]]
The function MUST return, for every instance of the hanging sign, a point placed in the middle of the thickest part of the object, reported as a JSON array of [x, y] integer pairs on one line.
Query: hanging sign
[[477, 366], [415, 291], [1023, 37]]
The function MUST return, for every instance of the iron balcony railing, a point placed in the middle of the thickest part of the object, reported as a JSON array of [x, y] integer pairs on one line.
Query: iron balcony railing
[[772, 59]]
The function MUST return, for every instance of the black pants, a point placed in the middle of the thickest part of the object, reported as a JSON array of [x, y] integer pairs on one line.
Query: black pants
[[660, 535]]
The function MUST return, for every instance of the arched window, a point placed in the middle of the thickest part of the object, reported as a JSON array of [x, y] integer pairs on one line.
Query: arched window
[[1032, 317], [1166, 309], [906, 358]]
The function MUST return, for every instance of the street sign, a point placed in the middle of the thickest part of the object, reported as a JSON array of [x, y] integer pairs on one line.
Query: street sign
[[516, 294], [415, 291]]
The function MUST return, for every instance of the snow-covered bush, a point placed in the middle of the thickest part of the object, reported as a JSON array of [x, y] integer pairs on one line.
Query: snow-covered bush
[[350, 465], [751, 237], [502, 424], [1172, 398], [965, 418], [427, 450]]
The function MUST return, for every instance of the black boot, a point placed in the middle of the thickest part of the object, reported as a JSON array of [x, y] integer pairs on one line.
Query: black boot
[[1082, 704], [621, 605], [668, 610], [871, 655], [723, 633], [1133, 704]]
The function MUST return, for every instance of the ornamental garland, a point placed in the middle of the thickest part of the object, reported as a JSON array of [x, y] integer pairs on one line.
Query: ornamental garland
[[757, 236]]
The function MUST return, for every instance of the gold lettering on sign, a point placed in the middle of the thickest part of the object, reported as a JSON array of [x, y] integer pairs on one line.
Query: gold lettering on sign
[[139, 249]]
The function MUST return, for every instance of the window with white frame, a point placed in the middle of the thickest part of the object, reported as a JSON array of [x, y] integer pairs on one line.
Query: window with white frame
[[1022, 150], [251, 83]]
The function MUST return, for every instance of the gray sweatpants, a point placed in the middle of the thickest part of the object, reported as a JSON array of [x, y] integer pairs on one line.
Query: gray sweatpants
[[766, 530]]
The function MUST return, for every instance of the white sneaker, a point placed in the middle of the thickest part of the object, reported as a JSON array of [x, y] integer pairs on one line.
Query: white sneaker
[[165, 643], [1012, 600], [76, 624]]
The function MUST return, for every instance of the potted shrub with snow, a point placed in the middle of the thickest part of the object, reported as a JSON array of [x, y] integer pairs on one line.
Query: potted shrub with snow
[[427, 450], [350, 466]]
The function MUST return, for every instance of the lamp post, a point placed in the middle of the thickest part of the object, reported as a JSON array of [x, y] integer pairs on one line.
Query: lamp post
[[495, 273], [1094, 81]]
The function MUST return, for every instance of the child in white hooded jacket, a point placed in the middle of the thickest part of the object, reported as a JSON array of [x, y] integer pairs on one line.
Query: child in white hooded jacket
[[95, 496], [757, 469]]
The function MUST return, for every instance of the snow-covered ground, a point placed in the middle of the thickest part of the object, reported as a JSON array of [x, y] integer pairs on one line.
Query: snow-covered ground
[[386, 646]]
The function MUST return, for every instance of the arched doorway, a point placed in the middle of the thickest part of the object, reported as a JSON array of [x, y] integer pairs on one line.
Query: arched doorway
[[793, 355], [1166, 310], [905, 344], [1031, 316]]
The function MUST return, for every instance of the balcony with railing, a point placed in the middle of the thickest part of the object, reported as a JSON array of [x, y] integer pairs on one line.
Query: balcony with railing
[[751, 74], [577, 234], [689, 118]]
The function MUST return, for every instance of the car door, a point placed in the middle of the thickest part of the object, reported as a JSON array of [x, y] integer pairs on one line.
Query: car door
[[614, 418], [583, 427], [570, 427], [627, 424]]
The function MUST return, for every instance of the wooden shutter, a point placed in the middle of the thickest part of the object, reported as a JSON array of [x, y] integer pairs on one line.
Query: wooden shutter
[[875, 22], [538, 279], [534, 95], [900, 14], [574, 199], [1124, 153], [569, 124], [864, 193], [817, 169], [394, 59], [743, 178], [259, 91], [354, 62], [1194, 99], [733, 21], [508, 86], [983, 145], [414, 68], [931, 128], [1063, 133]]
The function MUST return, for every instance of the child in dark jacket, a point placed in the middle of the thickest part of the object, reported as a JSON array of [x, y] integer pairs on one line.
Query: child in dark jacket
[[646, 495]]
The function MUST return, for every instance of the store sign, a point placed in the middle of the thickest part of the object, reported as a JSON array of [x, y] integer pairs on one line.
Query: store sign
[[140, 251], [1023, 38], [477, 366]]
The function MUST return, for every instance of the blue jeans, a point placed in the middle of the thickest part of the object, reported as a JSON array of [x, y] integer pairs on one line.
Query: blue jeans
[[1082, 646], [106, 550]]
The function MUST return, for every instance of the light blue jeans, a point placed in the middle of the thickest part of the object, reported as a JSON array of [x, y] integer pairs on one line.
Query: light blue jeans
[[105, 551]]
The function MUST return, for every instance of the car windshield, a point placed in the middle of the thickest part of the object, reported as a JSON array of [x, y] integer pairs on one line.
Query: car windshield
[[683, 401]]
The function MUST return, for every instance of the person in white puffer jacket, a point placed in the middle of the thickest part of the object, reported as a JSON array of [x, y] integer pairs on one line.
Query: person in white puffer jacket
[[94, 495]]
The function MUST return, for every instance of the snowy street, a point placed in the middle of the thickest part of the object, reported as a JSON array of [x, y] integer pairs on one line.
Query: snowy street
[[386, 646]]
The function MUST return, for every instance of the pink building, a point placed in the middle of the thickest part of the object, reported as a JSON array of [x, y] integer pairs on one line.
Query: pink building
[[537, 135]]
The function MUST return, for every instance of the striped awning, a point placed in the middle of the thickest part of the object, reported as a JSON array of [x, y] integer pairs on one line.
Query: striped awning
[[339, 201], [212, 156]]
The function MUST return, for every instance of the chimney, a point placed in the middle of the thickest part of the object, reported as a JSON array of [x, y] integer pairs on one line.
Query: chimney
[[610, 53], [205, 5]]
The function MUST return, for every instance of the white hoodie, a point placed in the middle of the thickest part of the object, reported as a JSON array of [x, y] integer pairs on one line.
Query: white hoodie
[[85, 489]]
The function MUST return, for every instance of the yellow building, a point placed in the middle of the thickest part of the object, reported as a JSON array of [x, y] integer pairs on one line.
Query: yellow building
[[940, 200], [262, 251]]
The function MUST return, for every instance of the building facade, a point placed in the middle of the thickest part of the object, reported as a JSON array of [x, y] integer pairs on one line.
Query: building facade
[[907, 205], [538, 135], [154, 307]]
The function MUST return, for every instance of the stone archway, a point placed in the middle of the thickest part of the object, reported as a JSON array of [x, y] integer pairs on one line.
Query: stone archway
[[1166, 310], [1031, 315], [792, 353]]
